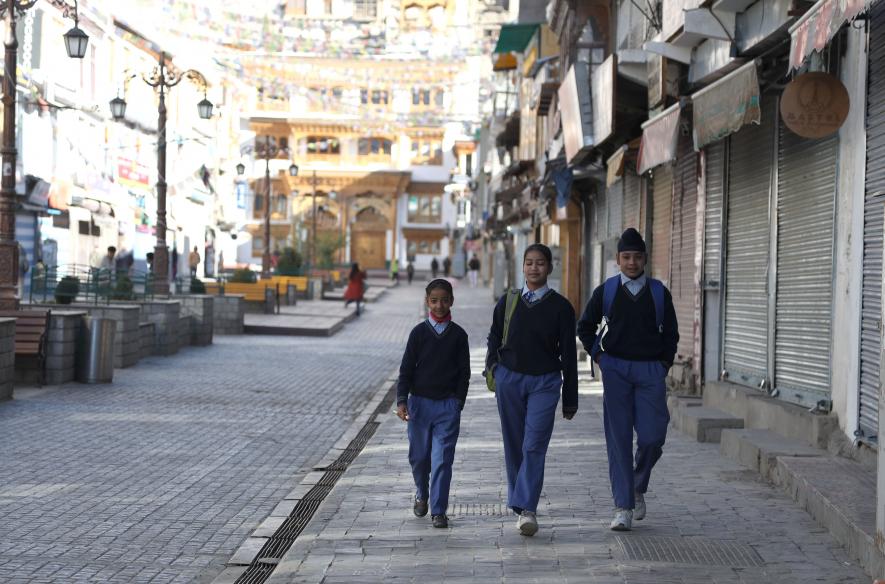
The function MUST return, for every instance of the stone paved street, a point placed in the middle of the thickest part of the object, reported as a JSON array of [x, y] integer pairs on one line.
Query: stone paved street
[[723, 524], [160, 476]]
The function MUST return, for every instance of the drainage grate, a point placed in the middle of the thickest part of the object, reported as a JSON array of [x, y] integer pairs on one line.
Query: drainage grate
[[458, 509], [689, 550], [283, 538]]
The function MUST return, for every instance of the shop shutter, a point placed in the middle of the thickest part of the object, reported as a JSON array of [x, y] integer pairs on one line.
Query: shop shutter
[[747, 252], [601, 209], [715, 190], [871, 314], [806, 201], [615, 200], [631, 200], [683, 272], [662, 218]]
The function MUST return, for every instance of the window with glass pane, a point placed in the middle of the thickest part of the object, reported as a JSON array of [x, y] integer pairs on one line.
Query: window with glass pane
[[438, 97], [413, 206], [364, 96], [425, 208], [259, 202]]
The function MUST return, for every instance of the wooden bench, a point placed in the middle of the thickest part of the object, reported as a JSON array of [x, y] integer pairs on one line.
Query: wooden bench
[[252, 292], [300, 282], [31, 334]]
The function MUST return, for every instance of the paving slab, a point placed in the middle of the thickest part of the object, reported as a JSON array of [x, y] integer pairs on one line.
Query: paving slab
[[759, 449], [302, 325]]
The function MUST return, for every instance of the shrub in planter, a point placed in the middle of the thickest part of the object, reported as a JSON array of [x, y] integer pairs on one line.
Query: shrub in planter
[[122, 288], [243, 276], [289, 262], [197, 286], [67, 289]]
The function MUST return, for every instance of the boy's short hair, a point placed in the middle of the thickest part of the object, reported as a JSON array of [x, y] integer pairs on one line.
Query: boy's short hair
[[440, 284]]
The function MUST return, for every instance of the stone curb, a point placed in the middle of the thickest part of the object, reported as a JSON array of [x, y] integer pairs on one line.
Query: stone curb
[[248, 550]]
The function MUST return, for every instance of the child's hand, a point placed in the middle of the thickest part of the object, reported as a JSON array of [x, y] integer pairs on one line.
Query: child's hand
[[402, 412]]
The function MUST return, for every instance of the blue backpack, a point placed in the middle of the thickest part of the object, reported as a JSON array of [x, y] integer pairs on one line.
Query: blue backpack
[[609, 290]]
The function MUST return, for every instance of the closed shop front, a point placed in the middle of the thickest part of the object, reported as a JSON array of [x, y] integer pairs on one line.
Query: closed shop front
[[632, 192], [806, 199], [871, 315], [662, 218], [684, 275], [748, 239]]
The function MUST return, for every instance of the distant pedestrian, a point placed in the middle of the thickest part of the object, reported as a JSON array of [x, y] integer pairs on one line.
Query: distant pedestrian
[[174, 260], [108, 262], [220, 263], [634, 348], [394, 270], [531, 355], [430, 395], [149, 259], [473, 266], [356, 287], [447, 266], [193, 261], [410, 272], [434, 268]]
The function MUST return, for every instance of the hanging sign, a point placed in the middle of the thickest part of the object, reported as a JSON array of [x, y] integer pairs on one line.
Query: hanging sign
[[815, 105]]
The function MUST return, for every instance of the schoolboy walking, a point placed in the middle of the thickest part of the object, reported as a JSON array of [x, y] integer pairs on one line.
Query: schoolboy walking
[[630, 329], [430, 395]]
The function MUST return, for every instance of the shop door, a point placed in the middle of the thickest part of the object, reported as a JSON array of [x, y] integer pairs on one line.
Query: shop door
[[368, 249]]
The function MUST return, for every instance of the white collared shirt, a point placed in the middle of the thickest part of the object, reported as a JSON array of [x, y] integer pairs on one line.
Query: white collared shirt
[[533, 296], [634, 286], [439, 327]]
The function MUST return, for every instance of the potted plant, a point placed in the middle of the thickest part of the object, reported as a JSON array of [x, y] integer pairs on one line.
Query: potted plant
[[67, 289]]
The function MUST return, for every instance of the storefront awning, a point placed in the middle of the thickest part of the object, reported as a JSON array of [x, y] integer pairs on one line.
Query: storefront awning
[[615, 166], [514, 38], [819, 25], [724, 107], [659, 138]]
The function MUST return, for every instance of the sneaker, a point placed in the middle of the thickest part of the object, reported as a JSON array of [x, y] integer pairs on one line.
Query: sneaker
[[440, 521], [623, 520], [639, 508], [420, 508], [527, 524]]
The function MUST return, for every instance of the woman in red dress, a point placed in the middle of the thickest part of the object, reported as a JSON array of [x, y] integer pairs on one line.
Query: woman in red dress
[[356, 286]]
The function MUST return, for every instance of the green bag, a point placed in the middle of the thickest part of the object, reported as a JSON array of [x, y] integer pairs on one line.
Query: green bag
[[509, 309]]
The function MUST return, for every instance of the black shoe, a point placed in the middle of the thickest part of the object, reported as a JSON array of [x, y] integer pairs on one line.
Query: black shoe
[[440, 521], [420, 508]]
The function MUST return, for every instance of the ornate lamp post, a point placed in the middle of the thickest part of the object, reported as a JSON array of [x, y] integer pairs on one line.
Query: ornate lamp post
[[75, 42], [267, 150], [163, 78]]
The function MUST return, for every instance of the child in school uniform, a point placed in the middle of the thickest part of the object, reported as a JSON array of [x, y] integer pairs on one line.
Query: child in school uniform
[[430, 395]]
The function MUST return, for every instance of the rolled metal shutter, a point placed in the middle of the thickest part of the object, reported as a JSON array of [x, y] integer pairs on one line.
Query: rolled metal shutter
[[683, 271], [662, 218], [871, 312], [631, 200], [715, 190], [601, 217], [806, 202], [615, 200], [747, 253]]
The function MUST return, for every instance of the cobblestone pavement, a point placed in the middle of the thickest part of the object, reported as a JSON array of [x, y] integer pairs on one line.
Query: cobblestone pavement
[[709, 520], [160, 476]]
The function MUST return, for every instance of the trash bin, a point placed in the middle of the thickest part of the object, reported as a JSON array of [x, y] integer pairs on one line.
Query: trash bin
[[314, 289], [95, 351]]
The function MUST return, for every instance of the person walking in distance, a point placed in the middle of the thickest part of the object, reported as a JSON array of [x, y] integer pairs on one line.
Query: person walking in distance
[[430, 394], [394, 270], [629, 328], [447, 266], [530, 363], [356, 287], [434, 267], [193, 261], [473, 266], [410, 272]]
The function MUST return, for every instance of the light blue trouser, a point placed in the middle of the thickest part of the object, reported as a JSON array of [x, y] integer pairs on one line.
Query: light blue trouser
[[634, 396], [433, 433], [527, 407]]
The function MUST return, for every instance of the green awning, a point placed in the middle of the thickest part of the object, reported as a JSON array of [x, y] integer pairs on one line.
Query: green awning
[[514, 38]]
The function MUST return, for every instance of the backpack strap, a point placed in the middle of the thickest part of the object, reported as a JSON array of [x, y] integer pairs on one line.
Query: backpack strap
[[609, 291], [657, 294], [509, 309]]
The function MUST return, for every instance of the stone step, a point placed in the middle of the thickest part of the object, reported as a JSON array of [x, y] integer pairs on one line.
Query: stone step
[[703, 423], [674, 400], [841, 496], [758, 449]]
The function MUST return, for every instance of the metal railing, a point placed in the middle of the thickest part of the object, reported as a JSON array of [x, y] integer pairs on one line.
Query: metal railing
[[65, 284]]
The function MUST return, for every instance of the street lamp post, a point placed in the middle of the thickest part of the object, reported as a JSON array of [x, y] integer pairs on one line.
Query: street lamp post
[[75, 42], [163, 78], [268, 150], [313, 237]]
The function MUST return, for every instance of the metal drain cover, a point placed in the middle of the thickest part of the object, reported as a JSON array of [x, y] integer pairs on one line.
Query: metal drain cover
[[498, 509], [689, 550]]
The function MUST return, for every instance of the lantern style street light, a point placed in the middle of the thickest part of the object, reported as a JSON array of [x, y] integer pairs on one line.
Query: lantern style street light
[[76, 42], [266, 149], [163, 77]]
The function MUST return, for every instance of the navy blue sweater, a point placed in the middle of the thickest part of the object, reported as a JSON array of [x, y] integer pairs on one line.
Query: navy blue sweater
[[541, 340], [632, 334], [435, 365]]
